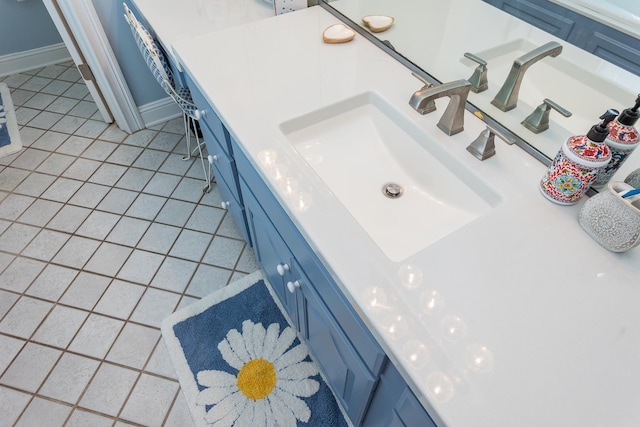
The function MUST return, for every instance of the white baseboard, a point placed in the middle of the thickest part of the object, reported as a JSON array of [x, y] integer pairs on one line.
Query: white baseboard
[[159, 111], [19, 62]]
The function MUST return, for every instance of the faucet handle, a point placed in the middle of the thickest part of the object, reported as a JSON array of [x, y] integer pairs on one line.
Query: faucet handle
[[538, 121], [424, 81], [429, 106], [484, 145], [478, 79]]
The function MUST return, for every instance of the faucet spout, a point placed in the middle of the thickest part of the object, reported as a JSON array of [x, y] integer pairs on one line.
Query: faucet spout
[[507, 97], [452, 121]]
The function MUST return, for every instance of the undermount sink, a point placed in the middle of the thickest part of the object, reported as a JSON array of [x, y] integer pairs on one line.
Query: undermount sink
[[363, 147]]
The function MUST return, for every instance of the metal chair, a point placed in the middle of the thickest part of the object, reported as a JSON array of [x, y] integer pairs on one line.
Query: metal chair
[[155, 60]]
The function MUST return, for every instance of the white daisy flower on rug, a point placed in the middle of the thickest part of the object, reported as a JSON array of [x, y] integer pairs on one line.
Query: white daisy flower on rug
[[270, 381]]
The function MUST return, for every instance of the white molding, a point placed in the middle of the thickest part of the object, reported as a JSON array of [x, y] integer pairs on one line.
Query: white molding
[[159, 111], [19, 62], [84, 23]]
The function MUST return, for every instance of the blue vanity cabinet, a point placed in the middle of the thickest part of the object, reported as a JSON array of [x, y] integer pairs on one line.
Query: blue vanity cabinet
[[349, 375], [351, 359], [605, 42], [370, 389], [219, 148]]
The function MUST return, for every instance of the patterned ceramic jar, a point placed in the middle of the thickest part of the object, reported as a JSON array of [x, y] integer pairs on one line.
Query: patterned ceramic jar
[[622, 140], [574, 169], [611, 220]]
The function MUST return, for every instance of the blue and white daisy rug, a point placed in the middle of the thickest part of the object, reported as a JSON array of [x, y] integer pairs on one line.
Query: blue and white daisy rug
[[10, 141], [240, 362]]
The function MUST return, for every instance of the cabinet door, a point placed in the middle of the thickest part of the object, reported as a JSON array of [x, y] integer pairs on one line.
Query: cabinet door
[[545, 15], [271, 252], [614, 46], [348, 375], [409, 412], [394, 404], [229, 202], [209, 116]]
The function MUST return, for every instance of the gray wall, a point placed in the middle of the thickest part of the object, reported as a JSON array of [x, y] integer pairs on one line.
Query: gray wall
[[24, 26], [143, 86]]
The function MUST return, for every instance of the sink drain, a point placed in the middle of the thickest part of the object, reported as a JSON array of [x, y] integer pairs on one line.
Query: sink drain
[[392, 191]]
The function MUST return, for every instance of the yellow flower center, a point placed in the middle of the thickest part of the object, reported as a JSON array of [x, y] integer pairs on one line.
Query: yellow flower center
[[257, 378]]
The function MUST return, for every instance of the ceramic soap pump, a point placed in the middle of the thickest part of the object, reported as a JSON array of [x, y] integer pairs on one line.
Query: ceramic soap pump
[[577, 164], [622, 140]]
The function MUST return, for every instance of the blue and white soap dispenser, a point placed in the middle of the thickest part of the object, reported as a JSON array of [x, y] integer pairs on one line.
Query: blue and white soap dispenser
[[623, 138], [577, 164]]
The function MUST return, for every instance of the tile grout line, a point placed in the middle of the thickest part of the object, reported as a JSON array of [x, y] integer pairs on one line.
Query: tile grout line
[[147, 158]]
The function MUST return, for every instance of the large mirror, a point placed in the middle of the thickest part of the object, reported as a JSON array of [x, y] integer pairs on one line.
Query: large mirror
[[435, 35]]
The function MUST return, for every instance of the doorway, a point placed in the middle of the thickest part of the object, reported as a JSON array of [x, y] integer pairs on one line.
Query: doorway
[[85, 39]]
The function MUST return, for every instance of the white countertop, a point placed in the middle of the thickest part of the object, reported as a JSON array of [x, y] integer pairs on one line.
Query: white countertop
[[557, 313], [173, 21]]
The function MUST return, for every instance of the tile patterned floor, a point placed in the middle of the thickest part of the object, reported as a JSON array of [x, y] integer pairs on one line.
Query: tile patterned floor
[[102, 235]]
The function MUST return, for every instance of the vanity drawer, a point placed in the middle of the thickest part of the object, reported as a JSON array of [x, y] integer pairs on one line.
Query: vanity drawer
[[209, 117], [235, 208], [224, 166]]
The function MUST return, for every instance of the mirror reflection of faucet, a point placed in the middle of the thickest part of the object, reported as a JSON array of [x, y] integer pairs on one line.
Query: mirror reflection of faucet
[[479, 80], [507, 97], [538, 121]]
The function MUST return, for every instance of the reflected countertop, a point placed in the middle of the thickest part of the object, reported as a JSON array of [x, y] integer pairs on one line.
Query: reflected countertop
[[518, 318]]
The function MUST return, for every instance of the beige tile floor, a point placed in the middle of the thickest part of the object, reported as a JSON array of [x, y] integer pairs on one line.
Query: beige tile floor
[[102, 235]]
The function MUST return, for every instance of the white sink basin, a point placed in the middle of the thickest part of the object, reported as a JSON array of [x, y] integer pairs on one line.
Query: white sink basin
[[358, 145]]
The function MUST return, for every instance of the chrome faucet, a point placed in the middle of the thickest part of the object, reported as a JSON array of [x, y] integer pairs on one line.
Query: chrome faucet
[[507, 97], [452, 121]]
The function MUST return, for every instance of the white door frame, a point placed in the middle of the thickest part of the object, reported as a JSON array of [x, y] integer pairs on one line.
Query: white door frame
[[79, 18]]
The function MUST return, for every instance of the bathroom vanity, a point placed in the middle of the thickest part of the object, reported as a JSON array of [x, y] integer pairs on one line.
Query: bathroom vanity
[[501, 312]]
